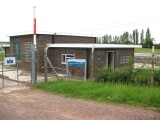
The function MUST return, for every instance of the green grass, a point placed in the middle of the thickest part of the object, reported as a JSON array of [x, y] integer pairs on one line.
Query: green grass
[[2, 43], [114, 93], [1, 56], [146, 50]]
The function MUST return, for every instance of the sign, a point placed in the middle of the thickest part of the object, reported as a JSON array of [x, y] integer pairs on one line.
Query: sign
[[10, 61], [76, 62]]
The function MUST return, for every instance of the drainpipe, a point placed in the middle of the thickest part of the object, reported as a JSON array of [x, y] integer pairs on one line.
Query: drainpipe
[[92, 62], [45, 63]]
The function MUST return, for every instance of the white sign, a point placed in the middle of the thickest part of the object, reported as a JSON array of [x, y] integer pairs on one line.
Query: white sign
[[10, 60]]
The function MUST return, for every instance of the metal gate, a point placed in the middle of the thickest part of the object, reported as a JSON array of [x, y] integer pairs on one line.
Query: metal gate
[[17, 68]]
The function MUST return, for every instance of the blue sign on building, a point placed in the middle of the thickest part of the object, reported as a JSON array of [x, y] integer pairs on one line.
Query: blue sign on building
[[76, 63]]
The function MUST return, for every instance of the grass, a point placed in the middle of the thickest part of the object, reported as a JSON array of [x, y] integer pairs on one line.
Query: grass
[[114, 93], [1, 56], [2, 43], [146, 50]]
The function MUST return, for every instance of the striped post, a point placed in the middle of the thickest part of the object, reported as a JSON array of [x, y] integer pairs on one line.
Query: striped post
[[34, 26]]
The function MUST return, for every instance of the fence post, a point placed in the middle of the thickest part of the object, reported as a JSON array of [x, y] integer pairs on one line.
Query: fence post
[[45, 63], [3, 55], [33, 64], [92, 62], [17, 57], [53, 70], [152, 68]]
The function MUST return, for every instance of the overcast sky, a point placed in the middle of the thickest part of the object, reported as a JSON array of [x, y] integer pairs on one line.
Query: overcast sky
[[88, 17]]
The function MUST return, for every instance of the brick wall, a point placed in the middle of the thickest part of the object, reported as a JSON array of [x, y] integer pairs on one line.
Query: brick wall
[[7, 50], [100, 58], [54, 55], [42, 40], [73, 39], [23, 39], [119, 52]]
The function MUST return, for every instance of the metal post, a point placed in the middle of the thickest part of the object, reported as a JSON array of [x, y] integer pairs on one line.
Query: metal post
[[53, 70], [2, 74], [92, 61], [85, 71], [152, 68], [45, 63], [33, 64], [3, 55], [67, 68], [17, 62]]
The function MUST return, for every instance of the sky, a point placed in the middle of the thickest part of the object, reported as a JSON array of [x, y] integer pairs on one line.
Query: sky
[[80, 17]]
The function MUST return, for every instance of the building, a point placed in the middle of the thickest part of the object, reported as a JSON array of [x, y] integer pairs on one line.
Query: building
[[6, 48], [63, 47]]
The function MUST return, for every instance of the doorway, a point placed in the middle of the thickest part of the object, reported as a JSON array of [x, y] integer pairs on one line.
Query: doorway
[[110, 59]]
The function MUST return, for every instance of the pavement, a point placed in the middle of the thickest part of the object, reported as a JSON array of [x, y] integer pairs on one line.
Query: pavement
[[11, 77]]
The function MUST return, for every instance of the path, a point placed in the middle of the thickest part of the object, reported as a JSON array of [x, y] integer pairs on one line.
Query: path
[[32, 104]]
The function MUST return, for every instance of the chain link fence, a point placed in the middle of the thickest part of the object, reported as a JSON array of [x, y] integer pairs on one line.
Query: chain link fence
[[15, 68], [145, 60]]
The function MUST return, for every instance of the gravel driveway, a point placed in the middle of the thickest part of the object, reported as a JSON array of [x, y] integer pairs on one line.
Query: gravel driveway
[[32, 104]]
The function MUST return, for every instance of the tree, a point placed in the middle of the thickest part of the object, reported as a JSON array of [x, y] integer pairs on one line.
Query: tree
[[142, 37], [136, 36], [148, 34], [105, 38], [110, 38], [131, 38], [148, 40]]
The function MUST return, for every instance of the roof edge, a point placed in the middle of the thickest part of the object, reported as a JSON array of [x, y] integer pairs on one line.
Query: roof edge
[[81, 45]]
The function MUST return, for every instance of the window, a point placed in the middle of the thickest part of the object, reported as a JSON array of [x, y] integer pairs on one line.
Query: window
[[65, 57], [27, 51], [124, 58], [17, 48]]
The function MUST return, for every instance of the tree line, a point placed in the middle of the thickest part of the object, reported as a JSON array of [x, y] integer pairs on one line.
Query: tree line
[[144, 39]]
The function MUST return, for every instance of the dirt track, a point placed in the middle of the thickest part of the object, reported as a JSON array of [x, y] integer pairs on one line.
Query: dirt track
[[29, 104]]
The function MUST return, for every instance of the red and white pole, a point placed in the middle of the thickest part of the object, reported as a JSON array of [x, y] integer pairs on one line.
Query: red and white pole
[[34, 26]]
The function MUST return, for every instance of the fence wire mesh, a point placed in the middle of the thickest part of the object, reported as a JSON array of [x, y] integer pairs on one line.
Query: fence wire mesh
[[145, 60], [14, 74]]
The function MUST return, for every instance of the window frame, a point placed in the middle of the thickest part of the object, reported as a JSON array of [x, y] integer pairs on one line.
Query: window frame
[[124, 58], [64, 57]]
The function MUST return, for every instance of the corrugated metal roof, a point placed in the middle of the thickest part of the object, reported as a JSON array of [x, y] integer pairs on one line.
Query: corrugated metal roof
[[79, 45]]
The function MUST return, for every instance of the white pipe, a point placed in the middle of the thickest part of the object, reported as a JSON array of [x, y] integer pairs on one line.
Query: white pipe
[[92, 62]]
